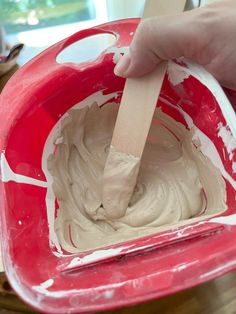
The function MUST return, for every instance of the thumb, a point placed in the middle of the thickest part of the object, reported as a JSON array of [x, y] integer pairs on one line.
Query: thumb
[[162, 38]]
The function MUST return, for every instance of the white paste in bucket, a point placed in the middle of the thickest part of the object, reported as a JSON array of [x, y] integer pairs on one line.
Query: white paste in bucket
[[176, 181]]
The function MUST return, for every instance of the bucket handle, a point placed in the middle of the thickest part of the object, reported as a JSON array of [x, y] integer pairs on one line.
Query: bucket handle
[[122, 29]]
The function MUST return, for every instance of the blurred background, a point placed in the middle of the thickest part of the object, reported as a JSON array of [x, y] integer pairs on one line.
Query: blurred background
[[40, 23]]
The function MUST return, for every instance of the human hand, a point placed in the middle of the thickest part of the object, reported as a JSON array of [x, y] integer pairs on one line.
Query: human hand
[[206, 35]]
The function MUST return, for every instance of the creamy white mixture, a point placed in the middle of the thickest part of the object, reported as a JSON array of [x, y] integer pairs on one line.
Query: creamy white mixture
[[175, 181], [119, 181]]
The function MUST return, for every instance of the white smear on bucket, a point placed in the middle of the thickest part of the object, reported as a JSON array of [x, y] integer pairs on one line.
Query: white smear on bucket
[[108, 294], [227, 138], [207, 147], [43, 287], [95, 256], [118, 52], [74, 292], [176, 73], [99, 97], [226, 220], [7, 174], [234, 167]]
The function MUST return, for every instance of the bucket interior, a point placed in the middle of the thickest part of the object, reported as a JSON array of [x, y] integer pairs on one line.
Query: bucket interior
[[33, 139]]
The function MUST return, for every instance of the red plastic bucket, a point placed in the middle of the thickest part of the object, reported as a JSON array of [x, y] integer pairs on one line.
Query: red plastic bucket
[[32, 103]]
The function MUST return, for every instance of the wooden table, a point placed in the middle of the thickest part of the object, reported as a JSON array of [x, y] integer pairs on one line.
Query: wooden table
[[6, 77], [215, 297]]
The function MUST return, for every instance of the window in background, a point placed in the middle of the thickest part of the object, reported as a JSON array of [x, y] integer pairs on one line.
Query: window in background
[[40, 23], [25, 15]]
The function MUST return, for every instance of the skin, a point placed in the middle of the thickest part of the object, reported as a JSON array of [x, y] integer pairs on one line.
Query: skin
[[206, 35]]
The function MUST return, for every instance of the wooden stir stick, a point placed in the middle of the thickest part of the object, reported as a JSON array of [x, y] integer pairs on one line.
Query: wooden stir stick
[[140, 94], [138, 103]]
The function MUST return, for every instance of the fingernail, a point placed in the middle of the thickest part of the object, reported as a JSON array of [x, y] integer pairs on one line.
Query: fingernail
[[122, 65]]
